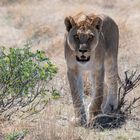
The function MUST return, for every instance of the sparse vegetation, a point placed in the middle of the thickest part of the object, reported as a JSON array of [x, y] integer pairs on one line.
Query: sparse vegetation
[[131, 82], [16, 135], [55, 94], [125, 108], [23, 75]]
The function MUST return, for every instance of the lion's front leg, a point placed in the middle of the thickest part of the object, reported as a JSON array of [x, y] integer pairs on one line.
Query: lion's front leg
[[76, 86], [112, 87], [95, 105], [112, 101]]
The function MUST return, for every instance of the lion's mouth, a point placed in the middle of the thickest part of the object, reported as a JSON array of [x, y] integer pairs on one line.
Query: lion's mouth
[[83, 58]]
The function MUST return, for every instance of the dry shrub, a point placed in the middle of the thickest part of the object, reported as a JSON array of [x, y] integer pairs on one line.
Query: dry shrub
[[131, 82], [9, 2], [35, 31], [123, 112]]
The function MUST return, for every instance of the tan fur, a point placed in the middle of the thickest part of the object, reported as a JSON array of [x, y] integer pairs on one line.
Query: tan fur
[[98, 37]]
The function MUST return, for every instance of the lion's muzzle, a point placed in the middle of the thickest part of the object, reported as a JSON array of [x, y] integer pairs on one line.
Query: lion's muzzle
[[82, 58]]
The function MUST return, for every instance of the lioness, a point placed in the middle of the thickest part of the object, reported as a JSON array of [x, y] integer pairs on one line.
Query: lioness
[[91, 43]]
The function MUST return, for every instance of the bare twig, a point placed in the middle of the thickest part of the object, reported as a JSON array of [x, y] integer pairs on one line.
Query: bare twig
[[131, 82]]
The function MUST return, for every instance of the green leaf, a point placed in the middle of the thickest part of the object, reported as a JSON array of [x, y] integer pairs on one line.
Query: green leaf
[[55, 94], [21, 70]]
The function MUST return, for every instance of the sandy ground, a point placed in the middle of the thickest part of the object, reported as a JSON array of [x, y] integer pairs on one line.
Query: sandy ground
[[41, 23]]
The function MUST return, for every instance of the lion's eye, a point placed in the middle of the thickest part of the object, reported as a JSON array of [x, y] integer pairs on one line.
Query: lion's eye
[[76, 37], [91, 36]]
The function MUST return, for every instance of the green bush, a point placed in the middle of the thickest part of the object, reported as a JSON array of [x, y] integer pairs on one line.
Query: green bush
[[16, 135], [22, 74]]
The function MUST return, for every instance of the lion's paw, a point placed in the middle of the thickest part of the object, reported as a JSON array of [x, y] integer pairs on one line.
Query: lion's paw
[[110, 107]]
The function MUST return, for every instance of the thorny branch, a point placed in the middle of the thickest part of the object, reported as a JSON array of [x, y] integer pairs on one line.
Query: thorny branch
[[130, 83], [118, 117]]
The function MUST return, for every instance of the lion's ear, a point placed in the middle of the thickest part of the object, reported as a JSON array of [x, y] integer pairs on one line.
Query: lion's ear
[[97, 23], [69, 23]]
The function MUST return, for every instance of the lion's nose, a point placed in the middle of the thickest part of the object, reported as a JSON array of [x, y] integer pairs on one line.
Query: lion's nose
[[82, 50]]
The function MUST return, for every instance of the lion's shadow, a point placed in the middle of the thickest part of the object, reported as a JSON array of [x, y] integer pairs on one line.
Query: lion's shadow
[[104, 121]]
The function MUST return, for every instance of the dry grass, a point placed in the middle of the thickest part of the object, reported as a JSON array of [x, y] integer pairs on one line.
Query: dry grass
[[41, 22]]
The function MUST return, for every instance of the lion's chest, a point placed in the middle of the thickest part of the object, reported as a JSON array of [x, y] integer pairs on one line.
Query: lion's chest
[[91, 65]]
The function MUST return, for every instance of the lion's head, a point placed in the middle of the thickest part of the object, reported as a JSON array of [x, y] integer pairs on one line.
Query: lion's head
[[83, 35]]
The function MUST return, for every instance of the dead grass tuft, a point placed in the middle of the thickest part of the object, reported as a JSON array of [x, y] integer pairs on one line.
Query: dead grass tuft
[[35, 31]]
